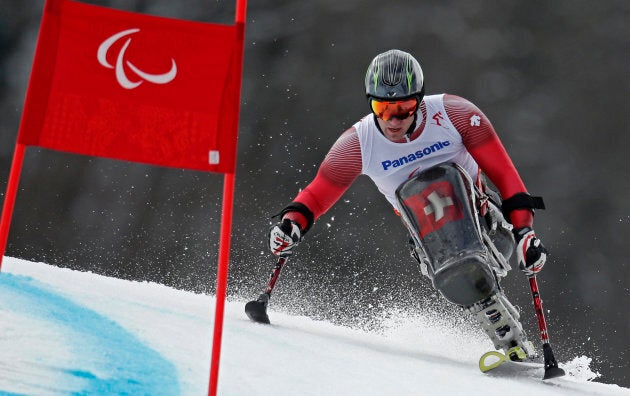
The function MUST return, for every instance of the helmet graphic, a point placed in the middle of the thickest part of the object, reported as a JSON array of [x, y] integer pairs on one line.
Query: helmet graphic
[[394, 75]]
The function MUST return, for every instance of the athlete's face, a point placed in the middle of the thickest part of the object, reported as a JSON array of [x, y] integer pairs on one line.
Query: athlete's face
[[394, 116], [394, 129]]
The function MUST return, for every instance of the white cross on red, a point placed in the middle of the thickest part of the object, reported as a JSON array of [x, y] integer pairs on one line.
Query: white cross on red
[[437, 205]]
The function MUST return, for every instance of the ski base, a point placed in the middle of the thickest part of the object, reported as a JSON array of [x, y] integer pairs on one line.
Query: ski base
[[256, 310]]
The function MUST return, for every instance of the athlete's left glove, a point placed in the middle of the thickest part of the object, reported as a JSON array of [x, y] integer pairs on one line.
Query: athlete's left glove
[[283, 237], [530, 252]]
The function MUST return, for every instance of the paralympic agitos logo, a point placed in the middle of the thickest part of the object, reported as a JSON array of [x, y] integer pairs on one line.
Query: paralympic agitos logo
[[395, 163], [122, 63]]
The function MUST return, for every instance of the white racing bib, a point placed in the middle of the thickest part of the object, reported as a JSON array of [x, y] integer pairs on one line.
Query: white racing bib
[[389, 164]]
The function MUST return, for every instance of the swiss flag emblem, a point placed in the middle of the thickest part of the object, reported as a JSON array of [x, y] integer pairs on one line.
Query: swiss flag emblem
[[434, 207]]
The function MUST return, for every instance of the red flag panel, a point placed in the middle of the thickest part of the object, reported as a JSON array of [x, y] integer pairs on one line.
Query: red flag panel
[[135, 87]]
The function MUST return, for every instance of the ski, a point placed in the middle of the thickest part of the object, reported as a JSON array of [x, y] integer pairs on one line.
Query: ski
[[493, 359], [256, 310], [516, 358]]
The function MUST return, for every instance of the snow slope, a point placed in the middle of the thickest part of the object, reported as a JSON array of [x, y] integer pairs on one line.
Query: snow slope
[[68, 332]]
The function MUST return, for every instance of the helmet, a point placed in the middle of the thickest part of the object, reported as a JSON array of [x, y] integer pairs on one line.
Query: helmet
[[395, 75]]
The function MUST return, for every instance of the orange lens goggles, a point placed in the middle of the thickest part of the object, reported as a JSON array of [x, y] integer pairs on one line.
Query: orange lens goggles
[[401, 109]]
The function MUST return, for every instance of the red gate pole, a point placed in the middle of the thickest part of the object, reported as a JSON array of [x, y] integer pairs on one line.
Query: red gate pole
[[226, 218], [9, 197], [33, 111], [222, 274]]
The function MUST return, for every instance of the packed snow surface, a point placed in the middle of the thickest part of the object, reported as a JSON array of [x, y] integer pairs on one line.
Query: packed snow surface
[[69, 332]]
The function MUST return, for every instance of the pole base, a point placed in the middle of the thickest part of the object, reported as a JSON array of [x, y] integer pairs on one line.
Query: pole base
[[551, 366]]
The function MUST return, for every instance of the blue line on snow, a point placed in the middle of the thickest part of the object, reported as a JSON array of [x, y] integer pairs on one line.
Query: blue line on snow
[[109, 359]]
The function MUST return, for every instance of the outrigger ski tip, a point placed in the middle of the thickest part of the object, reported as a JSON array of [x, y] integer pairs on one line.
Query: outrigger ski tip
[[553, 372], [551, 366], [256, 310]]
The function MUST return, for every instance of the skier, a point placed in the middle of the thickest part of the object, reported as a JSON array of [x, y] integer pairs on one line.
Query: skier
[[439, 129]]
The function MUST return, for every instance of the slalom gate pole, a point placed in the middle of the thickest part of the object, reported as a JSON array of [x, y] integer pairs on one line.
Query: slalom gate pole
[[9, 197], [551, 365], [226, 216]]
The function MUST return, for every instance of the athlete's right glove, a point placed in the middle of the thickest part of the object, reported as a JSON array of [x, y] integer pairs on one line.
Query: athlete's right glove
[[283, 237], [530, 252]]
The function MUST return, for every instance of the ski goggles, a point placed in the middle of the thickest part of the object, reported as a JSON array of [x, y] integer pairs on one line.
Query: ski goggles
[[388, 109]]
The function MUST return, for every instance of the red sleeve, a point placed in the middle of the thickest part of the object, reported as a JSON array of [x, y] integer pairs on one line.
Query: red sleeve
[[486, 148], [341, 166]]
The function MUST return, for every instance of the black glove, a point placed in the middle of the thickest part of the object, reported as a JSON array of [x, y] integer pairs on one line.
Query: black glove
[[283, 237], [530, 252]]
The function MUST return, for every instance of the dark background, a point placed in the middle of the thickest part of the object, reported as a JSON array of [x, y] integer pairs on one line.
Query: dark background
[[553, 77]]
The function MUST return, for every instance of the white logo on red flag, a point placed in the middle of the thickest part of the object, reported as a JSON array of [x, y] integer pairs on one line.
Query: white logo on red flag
[[121, 75]]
